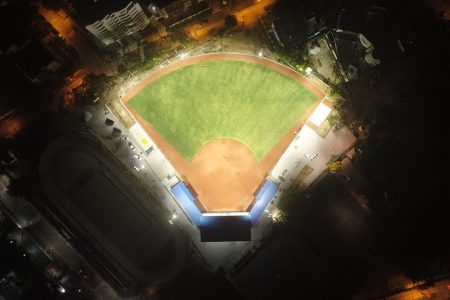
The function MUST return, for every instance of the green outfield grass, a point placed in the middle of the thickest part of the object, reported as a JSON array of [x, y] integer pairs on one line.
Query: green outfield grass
[[247, 102]]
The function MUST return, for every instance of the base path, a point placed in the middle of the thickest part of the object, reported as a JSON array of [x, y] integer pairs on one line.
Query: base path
[[224, 173]]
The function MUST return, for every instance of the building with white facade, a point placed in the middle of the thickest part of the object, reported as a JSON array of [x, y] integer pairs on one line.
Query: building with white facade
[[110, 21], [114, 26]]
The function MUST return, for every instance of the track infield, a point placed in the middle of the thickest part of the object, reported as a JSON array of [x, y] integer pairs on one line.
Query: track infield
[[223, 121]]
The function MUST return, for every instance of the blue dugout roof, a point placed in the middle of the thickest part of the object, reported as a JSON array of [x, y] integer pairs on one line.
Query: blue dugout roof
[[185, 198], [265, 195]]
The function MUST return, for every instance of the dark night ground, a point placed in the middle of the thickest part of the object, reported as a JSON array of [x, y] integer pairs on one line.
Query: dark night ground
[[322, 239]]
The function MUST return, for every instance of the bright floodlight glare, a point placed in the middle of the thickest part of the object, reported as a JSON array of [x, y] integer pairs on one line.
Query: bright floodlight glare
[[260, 53], [183, 55], [232, 213], [320, 114], [308, 71], [61, 289]]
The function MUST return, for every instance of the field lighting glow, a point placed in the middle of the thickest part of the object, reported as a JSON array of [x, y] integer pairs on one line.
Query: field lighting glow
[[237, 213], [320, 114]]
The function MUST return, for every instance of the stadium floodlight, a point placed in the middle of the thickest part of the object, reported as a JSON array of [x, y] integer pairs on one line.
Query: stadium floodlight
[[61, 289], [308, 71]]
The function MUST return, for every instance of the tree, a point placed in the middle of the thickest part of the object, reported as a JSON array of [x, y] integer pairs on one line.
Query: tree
[[334, 166], [230, 21], [96, 82], [289, 202], [121, 68], [336, 119]]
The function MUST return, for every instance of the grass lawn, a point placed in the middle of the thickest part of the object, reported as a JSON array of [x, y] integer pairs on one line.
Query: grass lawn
[[247, 102]]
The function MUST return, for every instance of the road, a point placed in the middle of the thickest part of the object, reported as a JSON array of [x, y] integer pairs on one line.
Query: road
[[437, 290], [72, 34], [44, 243], [51, 242], [247, 14]]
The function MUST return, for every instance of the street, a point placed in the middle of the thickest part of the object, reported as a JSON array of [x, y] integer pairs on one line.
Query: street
[[247, 14]]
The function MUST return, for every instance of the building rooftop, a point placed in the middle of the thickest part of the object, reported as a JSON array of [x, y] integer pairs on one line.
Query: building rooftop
[[350, 52], [89, 11], [377, 25], [10, 35], [183, 11], [162, 3], [33, 58], [16, 89], [295, 27]]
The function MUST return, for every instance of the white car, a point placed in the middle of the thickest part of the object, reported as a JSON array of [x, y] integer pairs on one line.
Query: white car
[[137, 169], [137, 156]]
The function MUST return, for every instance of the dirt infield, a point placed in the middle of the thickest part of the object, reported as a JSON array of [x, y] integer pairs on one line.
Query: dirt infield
[[224, 173]]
